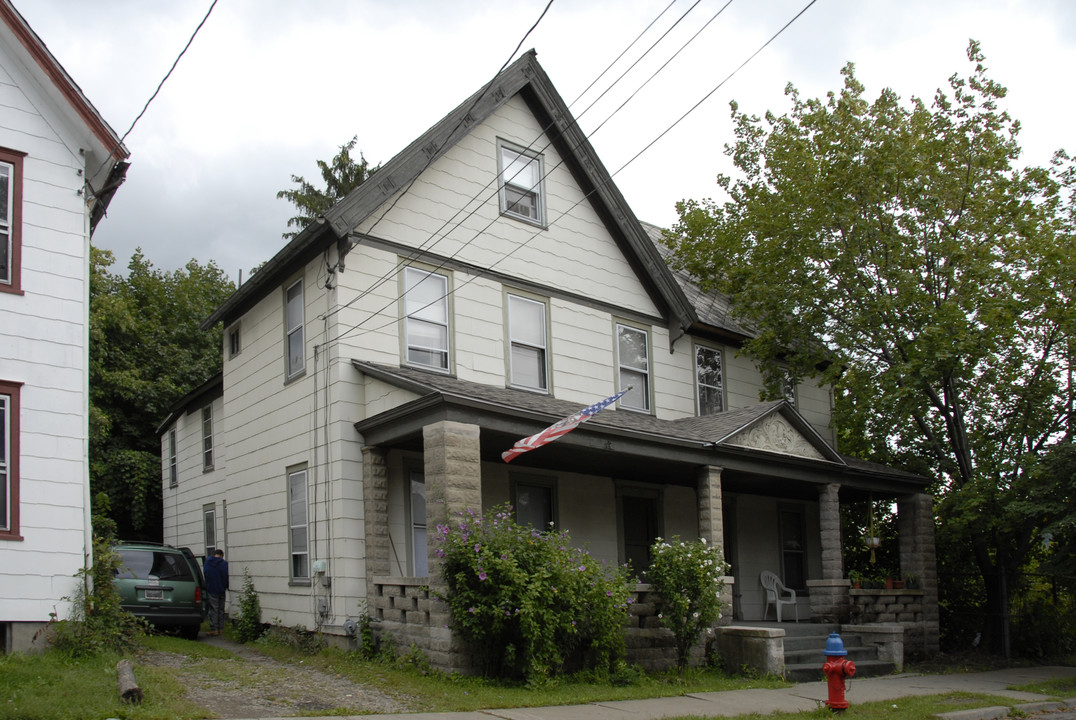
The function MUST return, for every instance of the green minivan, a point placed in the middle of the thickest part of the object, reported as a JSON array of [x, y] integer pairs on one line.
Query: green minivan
[[162, 584]]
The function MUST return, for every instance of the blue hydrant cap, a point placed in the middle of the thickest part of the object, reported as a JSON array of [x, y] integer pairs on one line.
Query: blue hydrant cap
[[834, 645]]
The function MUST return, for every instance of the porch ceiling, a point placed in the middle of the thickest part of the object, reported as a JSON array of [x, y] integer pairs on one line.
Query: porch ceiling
[[621, 444]]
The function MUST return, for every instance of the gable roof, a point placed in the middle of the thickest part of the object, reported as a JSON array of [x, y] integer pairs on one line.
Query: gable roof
[[43, 64], [526, 78]]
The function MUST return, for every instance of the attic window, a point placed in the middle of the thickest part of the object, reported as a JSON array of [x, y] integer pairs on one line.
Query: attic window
[[521, 185]]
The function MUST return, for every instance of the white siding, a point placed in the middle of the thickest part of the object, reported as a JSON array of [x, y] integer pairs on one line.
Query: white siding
[[267, 425], [43, 345]]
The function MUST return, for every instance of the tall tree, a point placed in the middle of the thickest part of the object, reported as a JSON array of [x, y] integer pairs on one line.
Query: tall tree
[[341, 175], [905, 250], [146, 352]]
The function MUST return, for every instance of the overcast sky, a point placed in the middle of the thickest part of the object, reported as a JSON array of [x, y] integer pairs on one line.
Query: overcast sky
[[270, 86]]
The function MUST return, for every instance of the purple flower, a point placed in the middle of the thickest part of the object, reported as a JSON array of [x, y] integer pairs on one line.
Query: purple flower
[[471, 609], [482, 575], [608, 593]]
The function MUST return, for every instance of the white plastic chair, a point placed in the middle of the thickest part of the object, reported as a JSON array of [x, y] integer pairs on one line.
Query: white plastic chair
[[777, 594]]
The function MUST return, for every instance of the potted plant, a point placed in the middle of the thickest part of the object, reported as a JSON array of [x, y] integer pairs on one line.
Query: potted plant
[[856, 578], [911, 582]]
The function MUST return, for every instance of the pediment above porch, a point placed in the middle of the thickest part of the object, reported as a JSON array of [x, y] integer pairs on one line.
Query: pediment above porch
[[775, 434]]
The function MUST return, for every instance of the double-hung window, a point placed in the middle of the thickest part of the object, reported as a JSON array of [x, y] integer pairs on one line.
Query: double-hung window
[[209, 524], [234, 342], [426, 318], [527, 341], [207, 437], [10, 220], [419, 547], [173, 460], [633, 363], [293, 322], [535, 501], [9, 461], [298, 541], [709, 379], [521, 185]]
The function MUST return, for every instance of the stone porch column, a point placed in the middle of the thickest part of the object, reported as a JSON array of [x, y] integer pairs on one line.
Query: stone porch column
[[829, 520], [375, 500], [830, 601], [712, 526], [453, 470], [915, 528], [452, 466]]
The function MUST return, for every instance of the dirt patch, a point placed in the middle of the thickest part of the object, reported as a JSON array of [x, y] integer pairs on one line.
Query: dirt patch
[[251, 685]]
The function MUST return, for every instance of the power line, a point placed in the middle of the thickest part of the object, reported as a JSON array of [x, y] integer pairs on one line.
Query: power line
[[588, 194], [427, 244], [159, 86]]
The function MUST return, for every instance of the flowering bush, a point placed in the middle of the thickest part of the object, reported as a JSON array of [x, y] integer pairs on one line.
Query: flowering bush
[[528, 602], [688, 576]]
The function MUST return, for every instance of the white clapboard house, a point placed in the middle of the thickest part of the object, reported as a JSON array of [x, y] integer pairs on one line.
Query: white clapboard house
[[60, 164], [487, 281]]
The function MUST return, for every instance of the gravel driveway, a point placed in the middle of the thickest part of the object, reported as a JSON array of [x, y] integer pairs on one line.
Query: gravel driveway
[[269, 688]]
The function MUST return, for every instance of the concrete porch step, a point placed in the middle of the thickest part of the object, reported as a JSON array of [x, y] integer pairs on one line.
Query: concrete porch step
[[817, 643], [812, 672], [857, 653]]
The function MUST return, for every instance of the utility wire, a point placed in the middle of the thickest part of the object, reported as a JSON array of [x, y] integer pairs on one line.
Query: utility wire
[[478, 99], [591, 192], [407, 262], [433, 240], [159, 86]]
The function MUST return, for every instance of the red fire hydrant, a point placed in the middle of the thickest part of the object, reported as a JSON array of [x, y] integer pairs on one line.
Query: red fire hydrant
[[837, 667]]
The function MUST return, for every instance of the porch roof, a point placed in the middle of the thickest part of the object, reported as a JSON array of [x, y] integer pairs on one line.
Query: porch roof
[[622, 443]]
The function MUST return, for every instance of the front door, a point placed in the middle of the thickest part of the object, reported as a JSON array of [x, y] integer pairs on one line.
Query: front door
[[639, 520]]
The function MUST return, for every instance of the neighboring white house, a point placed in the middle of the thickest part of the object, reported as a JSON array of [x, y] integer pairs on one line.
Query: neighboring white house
[[60, 163], [487, 281]]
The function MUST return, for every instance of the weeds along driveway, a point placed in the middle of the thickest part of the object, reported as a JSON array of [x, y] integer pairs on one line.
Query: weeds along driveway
[[252, 685]]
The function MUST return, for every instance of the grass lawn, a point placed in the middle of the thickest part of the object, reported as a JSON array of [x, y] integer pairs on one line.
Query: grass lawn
[[52, 686], [925, 707]]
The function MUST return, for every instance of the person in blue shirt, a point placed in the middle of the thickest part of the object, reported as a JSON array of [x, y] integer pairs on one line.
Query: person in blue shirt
[[216, 582]]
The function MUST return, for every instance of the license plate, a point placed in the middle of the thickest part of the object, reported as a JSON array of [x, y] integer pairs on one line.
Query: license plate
[[154, 594]]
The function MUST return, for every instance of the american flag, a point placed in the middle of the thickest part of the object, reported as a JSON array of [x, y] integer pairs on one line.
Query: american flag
[[560, 428]]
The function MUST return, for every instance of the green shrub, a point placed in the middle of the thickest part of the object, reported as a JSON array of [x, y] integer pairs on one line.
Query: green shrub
[[689, 578], [528, 603], [98, 622], [248, 626]]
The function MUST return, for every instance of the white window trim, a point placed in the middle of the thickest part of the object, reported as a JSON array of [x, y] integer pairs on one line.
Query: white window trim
[[235, 339], [512, 342], [699, 385], [173, 460], [418, 556], [7, 228], [209, 527], [447, 323], [5, 461], [526, 480], [503, 182], [207, 438], [289, 371], [292, 475], [648, 391]]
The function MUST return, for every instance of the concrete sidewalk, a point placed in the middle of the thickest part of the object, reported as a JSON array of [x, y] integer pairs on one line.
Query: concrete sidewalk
[[804, 696]]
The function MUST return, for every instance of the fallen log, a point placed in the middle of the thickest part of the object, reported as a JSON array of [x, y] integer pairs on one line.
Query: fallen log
[[129, 690]]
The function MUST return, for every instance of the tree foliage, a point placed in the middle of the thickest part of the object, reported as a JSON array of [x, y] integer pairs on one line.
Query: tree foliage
[[905, 250], [146, 352], [341, 175]]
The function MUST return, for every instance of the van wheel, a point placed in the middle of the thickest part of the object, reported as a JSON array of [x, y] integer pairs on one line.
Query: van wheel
[[190, 632]]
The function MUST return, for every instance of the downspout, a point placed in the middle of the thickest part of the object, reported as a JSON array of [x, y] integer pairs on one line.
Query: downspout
[[87, 512]]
